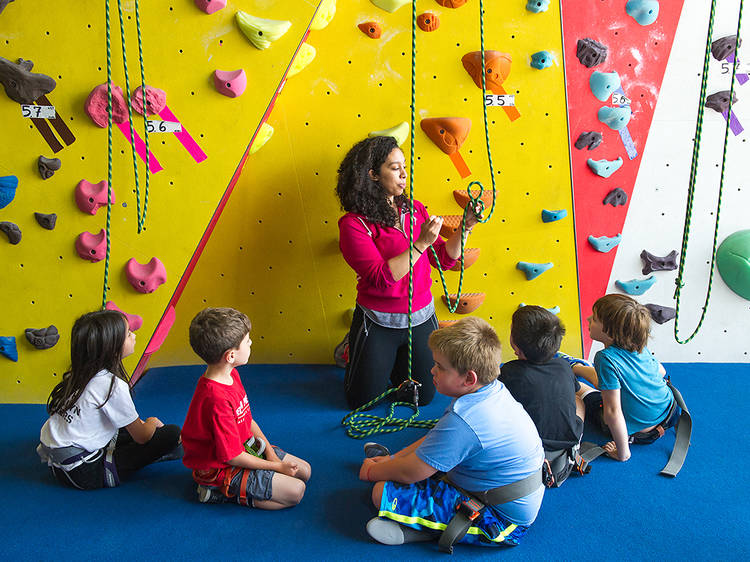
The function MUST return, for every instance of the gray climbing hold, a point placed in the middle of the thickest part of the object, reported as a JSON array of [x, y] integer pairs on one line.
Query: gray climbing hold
[[603, 84], [554, 310], [720, 101], [552, 216], [604, 168], [12, 231], [542, 60], [636, 286], [644, 12], [8, 185], [722, 48], [48, 166], [8, 347], [616, 197], [537, 6], [43, 338], [46, 221], [533, 270], [656, 263], [590, 52], [604, 243], [615, 117], [589, 140], [661, 314], [22, 85], [4, 3]]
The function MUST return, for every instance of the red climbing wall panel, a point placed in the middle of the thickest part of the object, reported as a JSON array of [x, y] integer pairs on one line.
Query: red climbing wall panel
[[639, 54]]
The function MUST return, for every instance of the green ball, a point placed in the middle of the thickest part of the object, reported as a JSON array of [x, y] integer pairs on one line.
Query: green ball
[[733, 261]]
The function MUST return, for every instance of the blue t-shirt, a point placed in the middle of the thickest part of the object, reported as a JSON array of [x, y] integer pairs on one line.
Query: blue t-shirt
[[485, 440], [644, 396]]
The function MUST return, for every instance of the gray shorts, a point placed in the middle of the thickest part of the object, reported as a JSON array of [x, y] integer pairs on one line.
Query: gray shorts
[[259, 482]]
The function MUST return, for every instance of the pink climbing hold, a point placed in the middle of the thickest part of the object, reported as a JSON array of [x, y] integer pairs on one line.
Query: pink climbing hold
[[134, 321], [231, 83], [211, 6], [92, 247], [147, 277], [156, 100], [96, 105], [91, 196]]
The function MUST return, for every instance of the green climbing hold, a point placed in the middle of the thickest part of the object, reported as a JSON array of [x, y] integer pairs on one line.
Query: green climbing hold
[[733, 261]]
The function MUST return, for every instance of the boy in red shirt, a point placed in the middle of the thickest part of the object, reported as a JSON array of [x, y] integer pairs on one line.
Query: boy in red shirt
[[228, 453]]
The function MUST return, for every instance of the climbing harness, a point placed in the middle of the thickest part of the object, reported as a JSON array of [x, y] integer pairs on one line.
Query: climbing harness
[[693, 176]]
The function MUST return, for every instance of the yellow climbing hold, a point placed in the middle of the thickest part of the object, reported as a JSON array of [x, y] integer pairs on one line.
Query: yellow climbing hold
[[390, 5], [265, 133], [400, 132], [261, 31], [326, 11], [305, 55]]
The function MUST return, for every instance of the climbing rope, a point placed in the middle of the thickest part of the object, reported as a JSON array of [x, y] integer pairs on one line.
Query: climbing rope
[[694, 174]]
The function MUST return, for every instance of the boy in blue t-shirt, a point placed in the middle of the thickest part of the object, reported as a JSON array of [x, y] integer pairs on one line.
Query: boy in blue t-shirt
[[484, 440]]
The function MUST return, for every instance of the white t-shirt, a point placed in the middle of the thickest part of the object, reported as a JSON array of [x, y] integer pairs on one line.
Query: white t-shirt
[[87, 426]]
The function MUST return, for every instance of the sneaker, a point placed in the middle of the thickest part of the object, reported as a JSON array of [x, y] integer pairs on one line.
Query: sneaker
[[573, 360], [341, 352], [376, 450], [209, 494], [385, 531]]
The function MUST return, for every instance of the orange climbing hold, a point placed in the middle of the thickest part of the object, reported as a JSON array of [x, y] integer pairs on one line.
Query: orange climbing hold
[[468, 302], [451, 223], [462, 197], [449, 133], [372, 29], [496, 70], [428, 21], [451, 3], [444, 323], [470, 256]]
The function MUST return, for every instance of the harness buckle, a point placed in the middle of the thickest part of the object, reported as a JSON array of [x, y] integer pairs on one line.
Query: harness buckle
[[408, 391], [548, 476], [469, 508]]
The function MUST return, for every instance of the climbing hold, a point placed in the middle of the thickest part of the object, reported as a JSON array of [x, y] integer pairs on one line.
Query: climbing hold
[[470, 256], [661, 314], [451, 3], [8, 186], [636, 286], [590, 52], [304, 56], [451, 224], [147, 277], [656, 263], [733, 261], [400, 132], [91, 196], [537, 6], [46, 221], [541, 60], [604, 168], [496, 68], [326, 11], [644, 12], [449, 133], [231, 83], [615, 117], [8, 347], [21, 85], [724, 47], [428, 21], [92, 247], [589, 140], [553, 310], [462, 197], [445, 323], [468, 302], [4, 3], [12, 231], [602, 84], [134, 321], [533, 270], [616, 197], [156, 100], [211, 6], [48, 166], [260, 31], [390, 5], [720, 101], [96, 105], [263, 136], [371, 28], [552, 216], [604, 243], [43, 338]]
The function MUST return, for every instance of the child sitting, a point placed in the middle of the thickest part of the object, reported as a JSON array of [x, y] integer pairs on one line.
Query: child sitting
[[224, 446], [545, 386], [483, 442]]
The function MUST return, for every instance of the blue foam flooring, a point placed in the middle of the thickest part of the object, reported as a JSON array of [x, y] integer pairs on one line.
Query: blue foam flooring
[[618, 511]]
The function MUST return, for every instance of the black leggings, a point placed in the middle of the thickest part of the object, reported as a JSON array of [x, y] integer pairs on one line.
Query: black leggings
[[378, 359]]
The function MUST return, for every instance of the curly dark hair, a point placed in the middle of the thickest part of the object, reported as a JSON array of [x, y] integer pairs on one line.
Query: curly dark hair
[[357, 191]]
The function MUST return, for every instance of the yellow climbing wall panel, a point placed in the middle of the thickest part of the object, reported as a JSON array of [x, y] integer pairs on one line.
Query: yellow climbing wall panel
[[44, 281], [275, 255]]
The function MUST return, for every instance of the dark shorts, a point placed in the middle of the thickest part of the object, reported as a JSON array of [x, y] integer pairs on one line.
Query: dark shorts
[[595, 414]]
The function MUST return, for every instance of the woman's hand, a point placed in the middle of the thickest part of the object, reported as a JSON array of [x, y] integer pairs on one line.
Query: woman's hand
[[472, 219], [429, 233]]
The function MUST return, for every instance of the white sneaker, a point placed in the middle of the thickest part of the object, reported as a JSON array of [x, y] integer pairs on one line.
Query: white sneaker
[[208, 494], [385, 531], [376, 450]]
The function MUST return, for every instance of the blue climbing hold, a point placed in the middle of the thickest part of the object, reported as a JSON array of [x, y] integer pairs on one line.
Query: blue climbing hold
[[615, 117], [604, 243], [604, 168], [541, 60], [8, 347], [636, 286], [644, 12], [553, 310], [8, 185], [533, 270], [537, 6], [552, 216], [603, 84]]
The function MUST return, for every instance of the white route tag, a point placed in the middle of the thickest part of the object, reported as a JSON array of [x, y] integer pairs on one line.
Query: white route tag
[[156, 126], [38, 111], [499, 100]]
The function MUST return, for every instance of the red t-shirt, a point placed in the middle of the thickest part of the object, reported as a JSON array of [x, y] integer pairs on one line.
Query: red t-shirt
[[217, 425]]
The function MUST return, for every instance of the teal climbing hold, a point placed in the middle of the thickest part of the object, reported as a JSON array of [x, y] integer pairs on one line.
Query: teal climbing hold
[[733, 261], [553, 310], [615, 117], [604, 168], [8, 347], [541, 60], [604, 243], [644, 12], [636, 286], [533, 270], [552, 216], [604, 84], [8, 185], [537, 6]]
